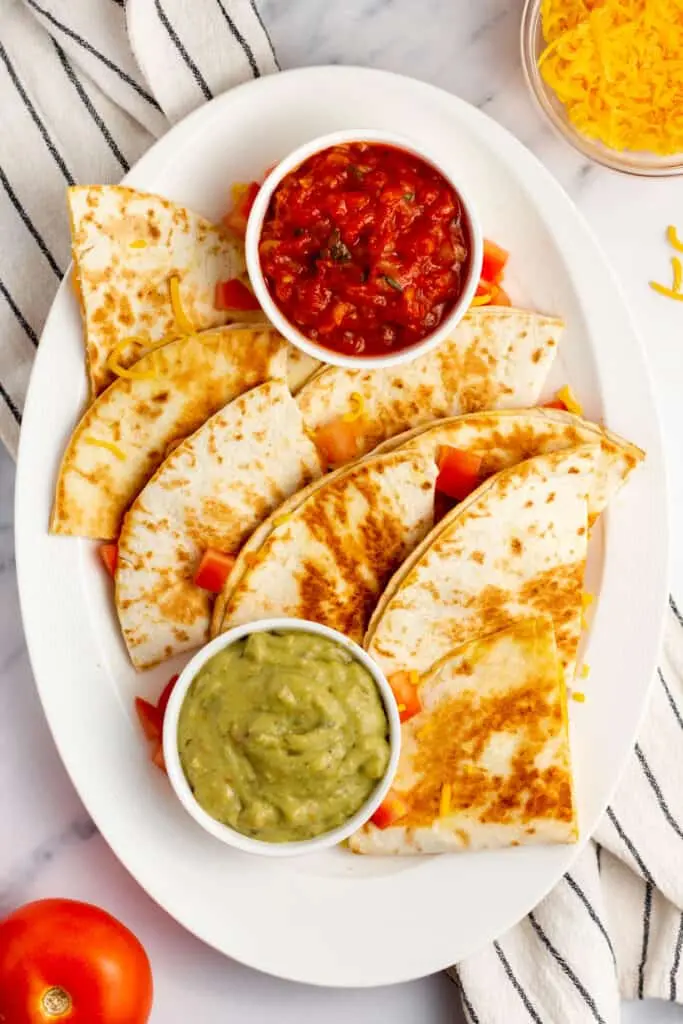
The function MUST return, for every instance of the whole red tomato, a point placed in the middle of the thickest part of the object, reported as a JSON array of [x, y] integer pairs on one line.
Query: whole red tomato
[[65, 962]]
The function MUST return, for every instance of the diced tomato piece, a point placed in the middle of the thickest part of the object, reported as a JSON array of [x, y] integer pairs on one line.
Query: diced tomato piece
[[404, 688], [162, 703], [158, 757], [337, 441], [495, 258], [556, 403], [214, 569], [236, 219], [234, 294], [150, 718], [109, 554], [499, 297], [392, 809], [443, 504], [459, 472]]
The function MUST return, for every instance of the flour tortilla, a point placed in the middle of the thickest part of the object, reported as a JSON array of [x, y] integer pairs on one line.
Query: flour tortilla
[[177, 388], [211, 492], [329, 559], [493, 728], [497, 358], [505, 438], [126, 247], [514, 549]]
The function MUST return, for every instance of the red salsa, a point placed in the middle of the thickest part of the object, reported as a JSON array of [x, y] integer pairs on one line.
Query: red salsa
[[365, 248]]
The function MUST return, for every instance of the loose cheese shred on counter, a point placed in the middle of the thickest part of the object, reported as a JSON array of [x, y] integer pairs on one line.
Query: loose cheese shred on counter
[[185, 326], [445, 802], [585, 671], [110, 447], [617, 66], [579, 697], [673, 239]]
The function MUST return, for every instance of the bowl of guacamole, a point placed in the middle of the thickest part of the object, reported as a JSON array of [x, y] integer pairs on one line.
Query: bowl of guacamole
[[281, 737]]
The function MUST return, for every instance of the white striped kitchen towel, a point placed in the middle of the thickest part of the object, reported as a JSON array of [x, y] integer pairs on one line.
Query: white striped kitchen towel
[[77, 106], [85, 87]]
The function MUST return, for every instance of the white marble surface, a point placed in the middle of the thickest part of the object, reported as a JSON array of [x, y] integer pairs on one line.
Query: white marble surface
[[48, 846]]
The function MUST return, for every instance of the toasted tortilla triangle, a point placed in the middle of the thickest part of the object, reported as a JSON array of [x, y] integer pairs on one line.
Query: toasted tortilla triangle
[[504, 438], [514, 549], [497, 358], [127, 246], [486, 762], [211, 492], [128, 430], [329, 557]]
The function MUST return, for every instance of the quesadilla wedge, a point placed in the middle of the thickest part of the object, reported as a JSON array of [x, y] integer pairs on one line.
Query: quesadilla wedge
[[128, 430], [145, 268], [507, 437], [496, 358], [329, 559], [515, 549], [211, 492], [485, 763]]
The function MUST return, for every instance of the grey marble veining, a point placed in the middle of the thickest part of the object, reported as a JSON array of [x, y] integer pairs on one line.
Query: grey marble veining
[[48, 844]]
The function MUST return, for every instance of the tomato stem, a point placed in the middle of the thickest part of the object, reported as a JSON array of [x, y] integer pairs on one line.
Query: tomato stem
[[56, 1001]]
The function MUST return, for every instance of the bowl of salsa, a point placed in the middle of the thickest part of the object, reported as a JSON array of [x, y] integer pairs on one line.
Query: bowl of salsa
[[281, 737], [362, 249]]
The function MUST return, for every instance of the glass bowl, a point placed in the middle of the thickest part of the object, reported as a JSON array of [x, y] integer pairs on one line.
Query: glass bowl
[[628, 162]]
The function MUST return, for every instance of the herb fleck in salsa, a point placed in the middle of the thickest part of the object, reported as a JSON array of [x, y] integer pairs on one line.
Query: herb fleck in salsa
[[364, 248]]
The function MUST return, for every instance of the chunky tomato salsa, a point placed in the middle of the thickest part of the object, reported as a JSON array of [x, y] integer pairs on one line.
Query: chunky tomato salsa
[[365, 248]]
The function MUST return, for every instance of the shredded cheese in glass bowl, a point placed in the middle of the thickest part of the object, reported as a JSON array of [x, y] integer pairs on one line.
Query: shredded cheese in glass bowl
[[608, 75]]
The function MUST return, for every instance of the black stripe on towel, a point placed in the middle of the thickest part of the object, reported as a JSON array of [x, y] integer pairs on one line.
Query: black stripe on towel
[[18, 314], [30, 226], [89, 106], [96, 53], [33, 113], [629, 846], [673, 986], [10, 404], [647, 913], [657, 791], [576, 888], [469, 1009], [674, 608], [670, 697], [265, 31], [516, 985], [567, 970], [241, 40], [196, 73]]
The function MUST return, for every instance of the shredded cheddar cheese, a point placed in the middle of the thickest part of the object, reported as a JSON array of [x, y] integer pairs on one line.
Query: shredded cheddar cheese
[[139, 243], [357, 408], [567, 396], [585, 671], [401, 708], [185, 326], [481, 300], [579, 697], [673, 239], [445, 801], [587, 600], [108, 445], [280, 521], [661, 289], [616, 67]]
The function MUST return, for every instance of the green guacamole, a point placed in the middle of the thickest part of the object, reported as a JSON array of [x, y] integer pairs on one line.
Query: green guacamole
[[283, 736]]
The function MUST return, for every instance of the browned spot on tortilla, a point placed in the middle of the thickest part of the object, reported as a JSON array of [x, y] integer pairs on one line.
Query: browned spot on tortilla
[[455, 738], [477, 556], [516, 546]]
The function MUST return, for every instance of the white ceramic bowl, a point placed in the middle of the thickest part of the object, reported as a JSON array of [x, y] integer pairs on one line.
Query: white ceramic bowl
[[272, 310], [229, 835]]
